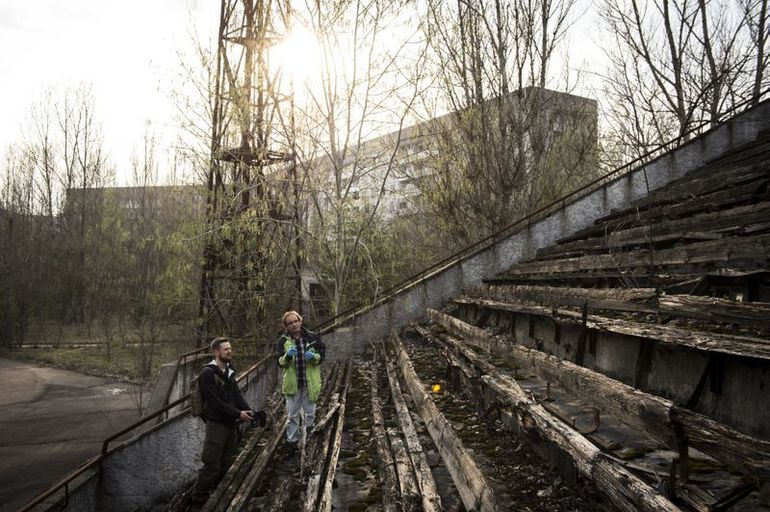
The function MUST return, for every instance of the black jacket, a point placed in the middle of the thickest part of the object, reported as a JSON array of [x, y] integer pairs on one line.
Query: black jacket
[[222, 400]]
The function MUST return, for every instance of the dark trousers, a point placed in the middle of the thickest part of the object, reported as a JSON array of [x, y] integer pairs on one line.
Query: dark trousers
[[218, 450]]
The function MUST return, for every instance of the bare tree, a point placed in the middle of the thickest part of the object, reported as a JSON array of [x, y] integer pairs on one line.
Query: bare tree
[[348, 163], [20, 247], [508, 144], [675, 65], [84, 168], [756, 14], [40, 146]]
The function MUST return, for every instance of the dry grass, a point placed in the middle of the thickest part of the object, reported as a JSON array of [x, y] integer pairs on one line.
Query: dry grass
[[124, 361], [126, 356]]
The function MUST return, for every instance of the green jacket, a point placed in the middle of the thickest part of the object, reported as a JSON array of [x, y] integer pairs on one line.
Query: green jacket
[[314, 345]]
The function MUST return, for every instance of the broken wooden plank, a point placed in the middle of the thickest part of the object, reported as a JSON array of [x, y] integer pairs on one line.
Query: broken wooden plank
[[310, 493], [313, 444], [431, 501], [281, 496], [716, 310], [246, 490], [754, 250], [314, 458], [642, 411], [745, 453], [743, 346], [644, 300], [623, 299], [321, 424], [410, 492], [471, 484], [325, 500], [651, 414], [728, 221], [385, 461], [624, 489]]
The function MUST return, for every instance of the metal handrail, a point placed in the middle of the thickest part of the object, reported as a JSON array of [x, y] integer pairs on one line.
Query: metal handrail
[[176, 371], [105, 445], [62, 483], [477, 247]]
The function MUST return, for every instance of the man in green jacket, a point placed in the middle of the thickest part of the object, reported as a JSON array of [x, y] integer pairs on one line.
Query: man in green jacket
[[300, 353]]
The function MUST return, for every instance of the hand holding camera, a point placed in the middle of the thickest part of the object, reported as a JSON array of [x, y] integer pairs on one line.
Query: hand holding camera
[[258, 419]]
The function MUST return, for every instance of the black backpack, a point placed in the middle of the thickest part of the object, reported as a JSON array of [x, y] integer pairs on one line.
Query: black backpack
[[196, 396]]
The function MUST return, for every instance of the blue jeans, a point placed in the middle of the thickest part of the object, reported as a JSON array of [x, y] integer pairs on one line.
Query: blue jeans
[[296, 404]]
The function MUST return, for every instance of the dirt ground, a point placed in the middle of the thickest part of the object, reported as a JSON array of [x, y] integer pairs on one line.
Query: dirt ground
[[51, 421]]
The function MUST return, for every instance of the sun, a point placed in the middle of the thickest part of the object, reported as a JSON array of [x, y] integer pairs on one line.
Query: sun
[[299, 56]]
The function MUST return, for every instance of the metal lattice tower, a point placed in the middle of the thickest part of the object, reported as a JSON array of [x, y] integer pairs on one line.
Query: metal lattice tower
[[252, 135]]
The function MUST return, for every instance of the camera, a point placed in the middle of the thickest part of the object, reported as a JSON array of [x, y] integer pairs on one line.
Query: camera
[[258, 419]]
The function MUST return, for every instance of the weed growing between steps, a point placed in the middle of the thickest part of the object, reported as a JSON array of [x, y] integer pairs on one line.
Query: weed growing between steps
[[355, 482], [517, 474]]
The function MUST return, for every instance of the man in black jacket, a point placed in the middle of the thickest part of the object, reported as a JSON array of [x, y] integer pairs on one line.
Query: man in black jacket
[[223, 408]]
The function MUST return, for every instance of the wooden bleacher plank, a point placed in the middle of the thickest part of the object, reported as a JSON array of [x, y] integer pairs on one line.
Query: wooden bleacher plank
[[741, 195], [651, 414], [729, 221], [751, 250], [626, 490], [743, 346], [644, 300]]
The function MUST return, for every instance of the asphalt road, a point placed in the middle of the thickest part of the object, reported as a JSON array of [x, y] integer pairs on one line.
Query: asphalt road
[[51, 421]]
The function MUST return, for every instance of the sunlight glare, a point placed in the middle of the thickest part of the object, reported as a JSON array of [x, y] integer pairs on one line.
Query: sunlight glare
[[299, 55]]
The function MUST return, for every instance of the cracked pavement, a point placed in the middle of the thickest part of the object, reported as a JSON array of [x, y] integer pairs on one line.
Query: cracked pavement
[[51, 421]]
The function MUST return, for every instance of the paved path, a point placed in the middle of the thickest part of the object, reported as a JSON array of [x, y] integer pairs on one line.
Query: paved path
[[51, 421]]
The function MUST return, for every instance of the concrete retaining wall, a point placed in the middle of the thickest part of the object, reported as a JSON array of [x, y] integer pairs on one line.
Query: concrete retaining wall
[[442, 285], [178, 380]]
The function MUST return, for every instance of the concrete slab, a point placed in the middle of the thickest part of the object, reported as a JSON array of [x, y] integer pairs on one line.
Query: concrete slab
[[51, 421]]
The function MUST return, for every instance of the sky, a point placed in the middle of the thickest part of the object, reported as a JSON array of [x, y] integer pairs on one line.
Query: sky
[[129, 53], [126, 51]]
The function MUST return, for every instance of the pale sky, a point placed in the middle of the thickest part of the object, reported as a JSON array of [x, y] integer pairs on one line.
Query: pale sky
[[127, 51]]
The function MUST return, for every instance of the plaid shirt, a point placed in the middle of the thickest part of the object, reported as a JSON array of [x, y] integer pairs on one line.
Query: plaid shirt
[[300, 360]]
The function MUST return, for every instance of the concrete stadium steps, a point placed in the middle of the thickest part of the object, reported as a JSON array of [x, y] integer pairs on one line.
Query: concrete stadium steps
[[693, 225], [687, 258], [644, 433]]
